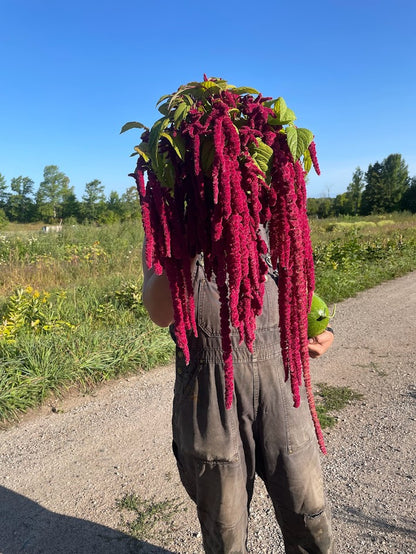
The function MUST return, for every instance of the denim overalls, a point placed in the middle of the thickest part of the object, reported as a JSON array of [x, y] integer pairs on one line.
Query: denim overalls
[[219, 451]]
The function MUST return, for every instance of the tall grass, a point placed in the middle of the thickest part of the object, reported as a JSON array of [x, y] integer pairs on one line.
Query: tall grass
[[71, 313], [356, 254], [80, 254], [70, 302]]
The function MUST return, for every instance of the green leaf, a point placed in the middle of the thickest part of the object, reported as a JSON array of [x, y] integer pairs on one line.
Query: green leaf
[[132, 125], [192, 84], [205, 85], [210, 91], [188, 99], [305, 137], [262, 155], [270, 103], [177, 144], [180, 113], [307, 161], [143, 150], [164, 108], [289, 117], [292, 140], [168, 179], [207, 154], [274, 121], [284, 115], [162, 98], [298, 141], [221, 83], [194, 92], [166, 172], [158, 127], [244, 90], [280, 107]]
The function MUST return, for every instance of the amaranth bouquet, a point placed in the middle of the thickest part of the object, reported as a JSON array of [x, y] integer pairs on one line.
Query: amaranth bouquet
[[221, 161]]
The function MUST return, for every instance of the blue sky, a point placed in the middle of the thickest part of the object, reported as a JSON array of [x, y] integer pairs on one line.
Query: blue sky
[[72, 73]]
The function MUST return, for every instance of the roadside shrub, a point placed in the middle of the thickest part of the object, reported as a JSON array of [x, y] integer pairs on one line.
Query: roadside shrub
[[28, 310], [129, 296]]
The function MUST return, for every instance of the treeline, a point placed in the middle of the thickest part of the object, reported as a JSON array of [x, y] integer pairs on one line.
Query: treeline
[[55, 200], [385, 187]]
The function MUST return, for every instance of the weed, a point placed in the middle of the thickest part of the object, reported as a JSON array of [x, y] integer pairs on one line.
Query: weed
[[373, 368], [129, 296], [325, 419], [352, 258], [333, 399], [144, 515], [29, 310]]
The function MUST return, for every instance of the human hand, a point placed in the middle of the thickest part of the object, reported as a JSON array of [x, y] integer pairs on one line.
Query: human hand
[[319, 345]]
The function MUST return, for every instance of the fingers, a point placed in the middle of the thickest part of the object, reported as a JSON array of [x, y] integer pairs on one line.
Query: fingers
[[320, 344]]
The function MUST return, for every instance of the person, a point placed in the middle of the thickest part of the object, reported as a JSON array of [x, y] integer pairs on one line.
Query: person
[[218, 451]]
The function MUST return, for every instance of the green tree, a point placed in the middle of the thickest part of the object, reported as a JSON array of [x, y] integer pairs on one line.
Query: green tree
[[341, 205], [355, 191], [325, 207], [70, 206], [20, 206], [386, 183], [3, 219], [372, 197], [4, 195], [131, 204], [397, 180], [312, 207], [408, 201], [115, 204], [93, 200], [51, 194]]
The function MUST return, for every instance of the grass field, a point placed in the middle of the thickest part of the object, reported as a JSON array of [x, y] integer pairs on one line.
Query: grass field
[[355, 254], [70, 302]]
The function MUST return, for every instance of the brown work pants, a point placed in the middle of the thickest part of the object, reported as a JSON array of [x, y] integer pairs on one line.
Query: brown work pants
[[220, 451]]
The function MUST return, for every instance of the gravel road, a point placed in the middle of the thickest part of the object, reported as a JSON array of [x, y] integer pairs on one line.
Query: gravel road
[[63, 467]]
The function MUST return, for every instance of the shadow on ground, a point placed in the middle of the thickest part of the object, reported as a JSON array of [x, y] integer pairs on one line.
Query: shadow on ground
[[375, 522], [26, 526]]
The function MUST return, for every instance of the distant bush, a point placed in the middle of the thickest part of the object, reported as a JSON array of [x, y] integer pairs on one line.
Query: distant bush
[[345, 225], [3, 219], [385, 222]]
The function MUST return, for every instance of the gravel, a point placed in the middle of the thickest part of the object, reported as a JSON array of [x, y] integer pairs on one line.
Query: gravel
[[64, 466]]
